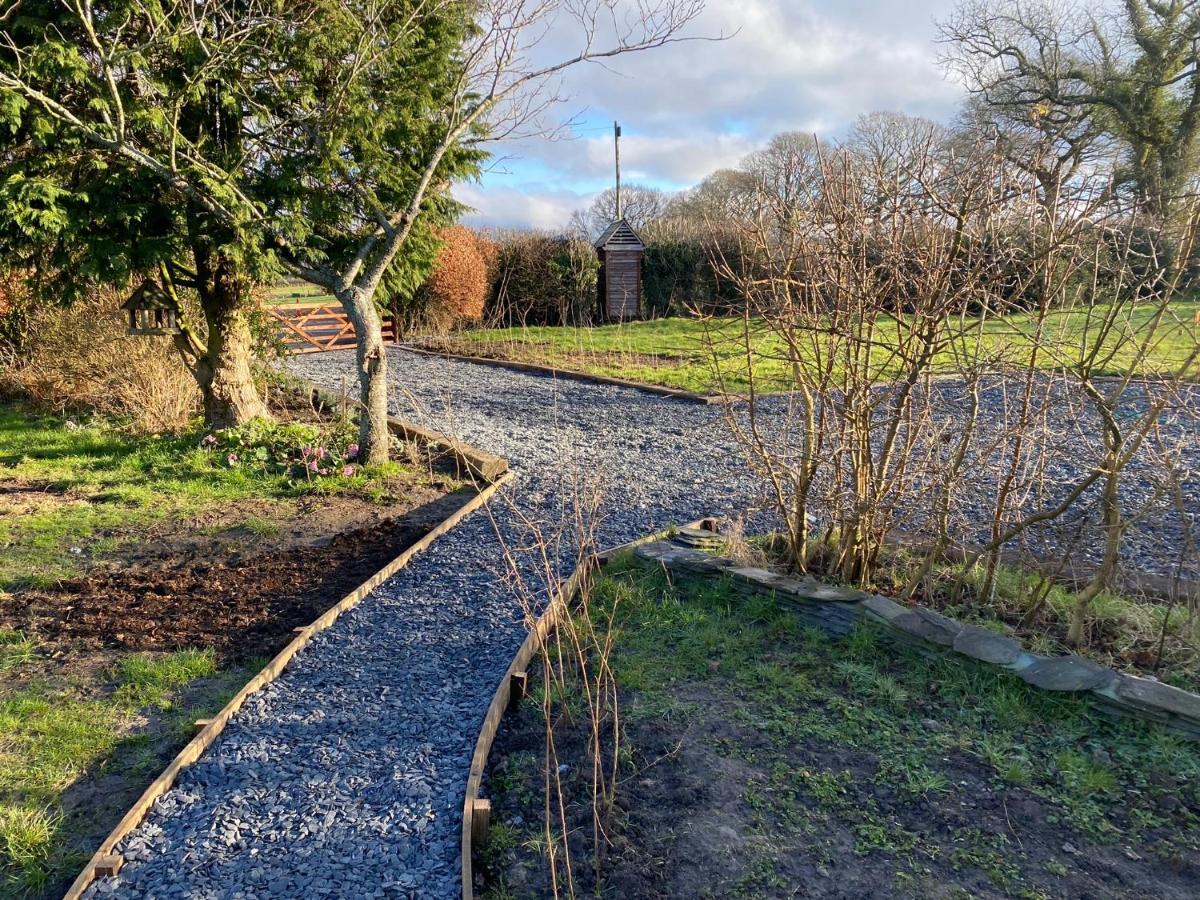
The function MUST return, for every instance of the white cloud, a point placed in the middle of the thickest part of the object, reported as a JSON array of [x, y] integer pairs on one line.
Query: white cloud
[[690, 108], [529, 206]]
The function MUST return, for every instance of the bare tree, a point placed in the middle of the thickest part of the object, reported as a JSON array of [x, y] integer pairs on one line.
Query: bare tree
[[1069, 72], [640, 206]]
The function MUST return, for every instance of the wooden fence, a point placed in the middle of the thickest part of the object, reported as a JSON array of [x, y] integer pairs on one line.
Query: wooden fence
[[317, 327]]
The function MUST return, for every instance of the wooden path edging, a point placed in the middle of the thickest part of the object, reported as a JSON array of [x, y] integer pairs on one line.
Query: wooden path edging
[[569, 374], [105, 861], [476, 462], [476, 811]]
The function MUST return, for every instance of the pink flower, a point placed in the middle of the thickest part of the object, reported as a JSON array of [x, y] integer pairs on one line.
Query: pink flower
[[322, 453], [352, 451], [312, 466], [348, 471], [209, 440], [324, 471], [232, 459]]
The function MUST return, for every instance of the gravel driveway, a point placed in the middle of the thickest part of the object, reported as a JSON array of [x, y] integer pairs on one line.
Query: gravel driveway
[[345, 776]]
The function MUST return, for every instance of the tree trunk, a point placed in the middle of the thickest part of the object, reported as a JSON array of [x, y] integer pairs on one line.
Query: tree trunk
[[371, 357], [221, 367]]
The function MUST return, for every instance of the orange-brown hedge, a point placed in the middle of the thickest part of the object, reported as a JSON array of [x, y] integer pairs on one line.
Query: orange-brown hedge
[[457, 288]]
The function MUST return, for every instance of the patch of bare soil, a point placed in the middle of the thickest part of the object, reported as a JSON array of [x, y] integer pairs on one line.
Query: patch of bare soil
[[213, 583]]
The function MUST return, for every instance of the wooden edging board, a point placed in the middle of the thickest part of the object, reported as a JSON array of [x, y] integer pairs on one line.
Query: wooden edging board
[[103, 862], [570, 374], [534, 641], [478, 463]]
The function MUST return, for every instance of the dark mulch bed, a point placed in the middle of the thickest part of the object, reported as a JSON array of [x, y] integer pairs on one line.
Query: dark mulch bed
[[242, 605]]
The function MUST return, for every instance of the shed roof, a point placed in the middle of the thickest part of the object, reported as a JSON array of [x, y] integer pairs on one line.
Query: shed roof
[[620, 236]]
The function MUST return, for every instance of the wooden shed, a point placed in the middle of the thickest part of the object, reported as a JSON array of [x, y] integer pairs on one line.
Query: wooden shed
[[621, 251]]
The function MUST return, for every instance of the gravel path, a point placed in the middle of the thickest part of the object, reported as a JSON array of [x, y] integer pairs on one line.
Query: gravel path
[[344, 777]]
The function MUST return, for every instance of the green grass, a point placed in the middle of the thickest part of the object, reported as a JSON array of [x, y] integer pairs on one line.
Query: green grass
[[54, 732], [283, 294], [810, 703], [702, 356], [104, 487]]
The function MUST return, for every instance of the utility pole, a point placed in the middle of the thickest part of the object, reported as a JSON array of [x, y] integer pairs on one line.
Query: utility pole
[[617, 146]]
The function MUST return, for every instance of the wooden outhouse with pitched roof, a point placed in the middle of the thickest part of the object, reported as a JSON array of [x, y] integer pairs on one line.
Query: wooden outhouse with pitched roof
[[621, 251]]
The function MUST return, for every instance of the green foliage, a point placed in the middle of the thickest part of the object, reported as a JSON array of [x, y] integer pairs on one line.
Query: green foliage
[[301, 452], [259, 143]]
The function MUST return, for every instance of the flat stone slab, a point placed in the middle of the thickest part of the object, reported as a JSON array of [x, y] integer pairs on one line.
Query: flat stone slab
[[654, 550], [987, 646], [1155, 694], [883, 607], [1068, 673], [925, 623]]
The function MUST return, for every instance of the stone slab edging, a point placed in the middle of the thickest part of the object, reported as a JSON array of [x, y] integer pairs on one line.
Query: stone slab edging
[[105, 861], [476, 816], [569, 374], [838, 609]]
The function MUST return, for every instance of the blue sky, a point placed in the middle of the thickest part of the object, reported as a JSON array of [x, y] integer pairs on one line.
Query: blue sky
[[687, 109]]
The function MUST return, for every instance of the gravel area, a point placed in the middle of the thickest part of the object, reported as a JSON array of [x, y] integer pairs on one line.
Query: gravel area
[[345, 776]]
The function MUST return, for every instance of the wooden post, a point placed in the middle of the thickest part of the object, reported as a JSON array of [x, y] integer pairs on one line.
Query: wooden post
[[108, 865], [481, 818], [518, 685], [617, 146]]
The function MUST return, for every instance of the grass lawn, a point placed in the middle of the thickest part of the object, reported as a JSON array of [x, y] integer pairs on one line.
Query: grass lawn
[[696, 355], [764, 759], [282, 294]]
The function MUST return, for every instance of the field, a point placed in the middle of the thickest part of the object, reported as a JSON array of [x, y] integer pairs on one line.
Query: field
[[143, 580], [702, 355], [762, 759], [297, 292]]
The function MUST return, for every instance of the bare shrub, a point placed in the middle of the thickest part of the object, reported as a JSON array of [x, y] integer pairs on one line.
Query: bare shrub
[[893, 291], [79, 358]]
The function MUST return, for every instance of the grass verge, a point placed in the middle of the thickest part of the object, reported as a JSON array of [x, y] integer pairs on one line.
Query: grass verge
[[74, 743]]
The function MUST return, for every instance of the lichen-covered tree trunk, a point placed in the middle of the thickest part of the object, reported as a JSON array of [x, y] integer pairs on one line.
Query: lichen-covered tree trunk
[[221, 365]]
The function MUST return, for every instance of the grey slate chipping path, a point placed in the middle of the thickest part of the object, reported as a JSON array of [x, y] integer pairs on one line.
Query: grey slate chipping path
[[345, 777]]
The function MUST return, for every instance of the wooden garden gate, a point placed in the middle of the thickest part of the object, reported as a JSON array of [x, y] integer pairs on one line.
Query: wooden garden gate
[[317, 327]]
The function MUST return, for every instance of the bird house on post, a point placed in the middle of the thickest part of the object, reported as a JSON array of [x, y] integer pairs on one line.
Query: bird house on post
[[620, 251], [151, 310]]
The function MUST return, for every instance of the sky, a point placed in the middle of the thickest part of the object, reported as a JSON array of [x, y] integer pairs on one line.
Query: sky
[[690, 108]]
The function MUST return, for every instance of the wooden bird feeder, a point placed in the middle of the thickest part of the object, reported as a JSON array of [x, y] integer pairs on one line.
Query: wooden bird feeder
[[151, 310]]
